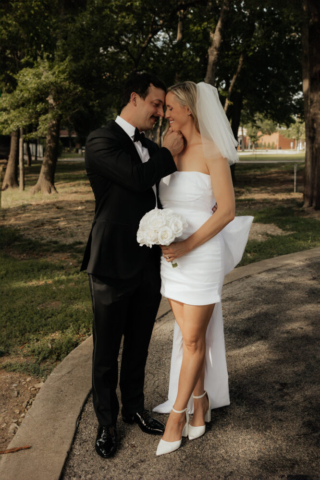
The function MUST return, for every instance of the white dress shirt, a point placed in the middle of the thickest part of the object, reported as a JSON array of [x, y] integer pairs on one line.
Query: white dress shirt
[[142, 151]]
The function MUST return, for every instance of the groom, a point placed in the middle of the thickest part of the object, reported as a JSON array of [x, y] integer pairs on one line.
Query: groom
[[124, 169]]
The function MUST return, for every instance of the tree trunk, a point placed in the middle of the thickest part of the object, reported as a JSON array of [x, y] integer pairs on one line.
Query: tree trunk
[[233, 81], [21, 162], [29, 160], [308, 177], [235, 123], [311, 88], [180, 26], [179, 45], [314, 68], [236, 113], [36, 152], [10, 177], [214, 49], [45, 183]]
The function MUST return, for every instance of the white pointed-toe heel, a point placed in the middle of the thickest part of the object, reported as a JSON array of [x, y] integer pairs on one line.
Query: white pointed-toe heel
[[168, 447], [196, 432]]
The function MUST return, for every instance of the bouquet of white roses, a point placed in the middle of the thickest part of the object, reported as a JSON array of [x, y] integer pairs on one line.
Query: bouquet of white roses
[[160, 227]]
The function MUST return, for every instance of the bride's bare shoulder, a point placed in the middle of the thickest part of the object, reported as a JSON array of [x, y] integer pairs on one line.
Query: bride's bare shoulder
[[217, 163]]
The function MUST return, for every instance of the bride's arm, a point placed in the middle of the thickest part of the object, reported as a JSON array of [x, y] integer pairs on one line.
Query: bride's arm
[[224, 195]]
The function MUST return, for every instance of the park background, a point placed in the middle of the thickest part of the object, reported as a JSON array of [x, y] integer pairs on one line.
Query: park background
[[63, 65]]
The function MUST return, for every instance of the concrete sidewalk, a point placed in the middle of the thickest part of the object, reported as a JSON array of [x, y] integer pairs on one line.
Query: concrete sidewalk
[[272, 427], [270, 430]]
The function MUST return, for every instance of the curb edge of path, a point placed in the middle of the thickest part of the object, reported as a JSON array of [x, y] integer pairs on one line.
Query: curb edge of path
[[50, 424]]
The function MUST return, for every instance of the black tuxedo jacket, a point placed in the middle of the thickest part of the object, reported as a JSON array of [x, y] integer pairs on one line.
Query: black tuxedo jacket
[[122, 186]]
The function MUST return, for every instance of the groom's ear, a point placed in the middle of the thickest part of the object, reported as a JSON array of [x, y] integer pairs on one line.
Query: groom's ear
[[133, 98]]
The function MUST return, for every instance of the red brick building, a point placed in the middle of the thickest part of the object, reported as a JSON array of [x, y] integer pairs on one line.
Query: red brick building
[[274, 141], [277, 141]]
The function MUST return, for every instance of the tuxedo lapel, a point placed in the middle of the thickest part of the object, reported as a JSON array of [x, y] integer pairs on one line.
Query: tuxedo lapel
[[126, 141]]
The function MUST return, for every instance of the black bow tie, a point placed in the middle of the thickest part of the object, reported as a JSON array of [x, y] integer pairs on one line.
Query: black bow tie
[[140, 137]]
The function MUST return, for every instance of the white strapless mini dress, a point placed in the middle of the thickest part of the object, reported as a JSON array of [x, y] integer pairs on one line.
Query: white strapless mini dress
[[199, 277]]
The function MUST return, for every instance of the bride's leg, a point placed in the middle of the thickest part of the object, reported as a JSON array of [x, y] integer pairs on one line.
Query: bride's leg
[[193, 322], [201, 405]]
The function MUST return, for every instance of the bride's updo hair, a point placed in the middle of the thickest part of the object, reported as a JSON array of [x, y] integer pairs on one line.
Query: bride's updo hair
[[186, 94]]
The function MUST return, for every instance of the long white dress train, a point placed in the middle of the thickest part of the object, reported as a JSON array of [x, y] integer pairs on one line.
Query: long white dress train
[[198, 279]]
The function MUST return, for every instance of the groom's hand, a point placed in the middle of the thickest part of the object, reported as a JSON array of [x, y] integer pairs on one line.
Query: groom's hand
[[173, 141]]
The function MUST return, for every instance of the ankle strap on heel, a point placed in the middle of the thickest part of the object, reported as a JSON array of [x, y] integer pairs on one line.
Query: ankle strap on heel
[[201, 396], [179, 411]]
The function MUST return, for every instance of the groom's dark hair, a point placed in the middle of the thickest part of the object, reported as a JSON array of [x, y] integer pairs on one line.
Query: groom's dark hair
[[139, 82]]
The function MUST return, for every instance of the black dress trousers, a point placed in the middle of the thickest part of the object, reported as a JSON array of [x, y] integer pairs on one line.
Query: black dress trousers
[[121, 308]]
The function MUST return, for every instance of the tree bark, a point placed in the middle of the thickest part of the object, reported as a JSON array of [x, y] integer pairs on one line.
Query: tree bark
[[36, 152], [235, 123], [236, 113], [10, 177], [21, 162], [180, 25], [233, 81], [29, 156], [308, 177], [45, 183], [311, 34], [214, 49], [314, 51], [179, 45]]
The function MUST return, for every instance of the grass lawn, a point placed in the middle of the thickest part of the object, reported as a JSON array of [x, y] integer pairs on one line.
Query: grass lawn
[[45, 308], [275, 157], [303, 233], [71, 155], [45, 303]]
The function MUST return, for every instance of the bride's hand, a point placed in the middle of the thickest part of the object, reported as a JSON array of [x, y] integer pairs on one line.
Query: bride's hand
[[174, 251]]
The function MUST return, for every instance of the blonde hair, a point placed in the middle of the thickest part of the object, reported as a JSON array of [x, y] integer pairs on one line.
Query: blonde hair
[[186, 94]]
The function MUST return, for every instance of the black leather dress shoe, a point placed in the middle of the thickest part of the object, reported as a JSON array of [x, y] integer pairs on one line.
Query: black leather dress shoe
[[106, 441], [147, 423]]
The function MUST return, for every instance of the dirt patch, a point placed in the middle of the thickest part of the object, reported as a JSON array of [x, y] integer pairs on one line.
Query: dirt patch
[[56, 221], [261, 231], [54, 304], [270, 196], [17, 393], [67, 223]]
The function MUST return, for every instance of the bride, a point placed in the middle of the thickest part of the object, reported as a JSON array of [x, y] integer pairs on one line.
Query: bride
[[210, 247]]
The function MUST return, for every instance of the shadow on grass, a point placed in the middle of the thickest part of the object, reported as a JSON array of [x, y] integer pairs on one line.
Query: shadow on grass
[[65, 172], [45, 306], [303, 233]]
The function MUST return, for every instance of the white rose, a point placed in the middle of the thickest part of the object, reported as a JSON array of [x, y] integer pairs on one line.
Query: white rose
[[141, 237], [176, 225], [165, 236], [144, 222], [156, 221], [151, 236]]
